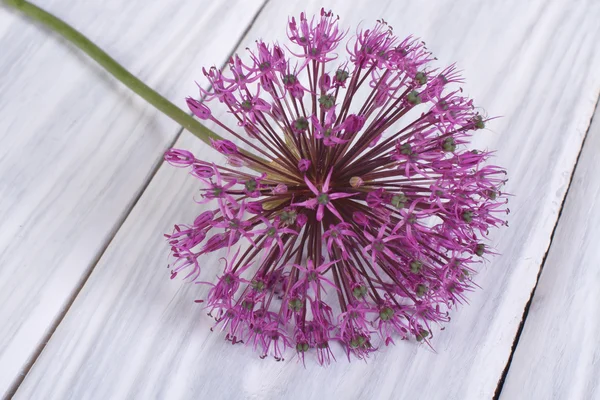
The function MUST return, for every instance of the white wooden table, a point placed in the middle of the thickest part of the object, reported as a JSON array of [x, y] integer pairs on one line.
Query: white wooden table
[[86, 307]]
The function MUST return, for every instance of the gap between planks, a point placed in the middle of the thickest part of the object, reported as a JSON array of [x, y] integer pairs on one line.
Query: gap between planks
[[539, 274], [15, 386]]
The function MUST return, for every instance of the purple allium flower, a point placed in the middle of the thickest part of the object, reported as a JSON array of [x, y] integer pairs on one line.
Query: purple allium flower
[[352, 209]]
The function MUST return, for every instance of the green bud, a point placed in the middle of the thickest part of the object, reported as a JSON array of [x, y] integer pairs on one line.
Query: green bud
[[421, 78], [422, 335], [327, 101], [323, 198], [247, 304], [413, 98], [359, 292], [301, 124], [341, 75], [295, 305], [449, 144], [251, 185], [480, 249], [358, 342], [464, 274], [386, 313], [247, 105], [406, 149], [421, 290], [288, 217], [467, 216], [302, 347], [479, 124], [491, 194], [259, 286], [289, 79], [416, 266], [399, 200]]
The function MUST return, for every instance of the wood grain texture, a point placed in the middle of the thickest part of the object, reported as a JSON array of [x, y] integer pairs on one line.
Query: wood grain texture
[[77, 147], [132, 333], [558, 356]]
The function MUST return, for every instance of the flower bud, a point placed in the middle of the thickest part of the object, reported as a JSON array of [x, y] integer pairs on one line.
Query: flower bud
[[224, 146], [325, 82], [179, 158], [280, 189], [202, 171], [356, 182], [199, 109], [303, 165], [360, 218]]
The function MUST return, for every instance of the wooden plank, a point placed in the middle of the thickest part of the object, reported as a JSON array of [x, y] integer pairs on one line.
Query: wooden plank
[[77, 147], [132, 333], [559, 349]]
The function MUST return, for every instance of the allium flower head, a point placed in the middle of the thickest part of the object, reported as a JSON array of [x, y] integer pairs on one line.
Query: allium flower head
[[351, 208]]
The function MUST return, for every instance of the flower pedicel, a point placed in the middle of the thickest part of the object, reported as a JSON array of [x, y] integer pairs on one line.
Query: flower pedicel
[[367, 214]]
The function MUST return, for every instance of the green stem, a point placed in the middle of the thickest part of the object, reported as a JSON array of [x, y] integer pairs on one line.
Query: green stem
[[115, 69]]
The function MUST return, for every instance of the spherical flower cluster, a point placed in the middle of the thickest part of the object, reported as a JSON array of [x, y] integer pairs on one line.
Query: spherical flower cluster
[[351, 209]]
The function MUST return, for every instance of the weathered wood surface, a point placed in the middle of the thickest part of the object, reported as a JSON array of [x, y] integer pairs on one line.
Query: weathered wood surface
[[558, 356], [77, 148], [132, 333]]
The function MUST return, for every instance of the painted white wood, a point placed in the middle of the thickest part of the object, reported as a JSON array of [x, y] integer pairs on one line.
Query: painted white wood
[[76, 147], [133, 333], [558, 356]]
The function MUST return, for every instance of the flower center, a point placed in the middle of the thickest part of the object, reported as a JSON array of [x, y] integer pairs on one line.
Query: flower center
[[341, 75], [289, 79], [359, 292], [295, 304], [386, 313], [323, 199], [251, 185], [379, 245], [359, 341], [301, 124], [327, 101]]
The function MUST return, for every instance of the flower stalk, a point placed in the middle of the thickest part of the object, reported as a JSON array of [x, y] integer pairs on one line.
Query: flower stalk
[[114, 68]]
